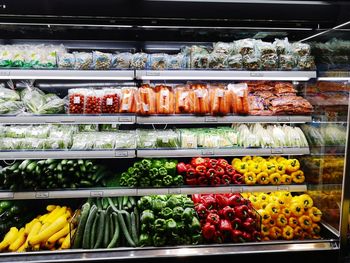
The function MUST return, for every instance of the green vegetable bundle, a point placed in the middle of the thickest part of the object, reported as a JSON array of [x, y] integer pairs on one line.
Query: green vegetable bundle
[[108, 223], [51, 174], [168, 220], [156, 172]]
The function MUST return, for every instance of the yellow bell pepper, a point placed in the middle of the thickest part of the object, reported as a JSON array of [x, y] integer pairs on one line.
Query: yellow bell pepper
[[293, 222], [273, 209], [315, 214], [265, 230], [306, 200], [254, 167], [241, 167], [275, 178], [254, 200], [265, 217], [263, 204], [258, 159], [272, 222], [235, 162], [275, 232], [281, 220], [272, 158], [286, 179], [293, 165], [281, 168], [286, 211], [281, 159], [298, 177], [287, 233], [285, 196], [315, 229], [246, 158], [298, 232], [270, 167], [297, 209], [305, 222], [263, 197], [249, 178], [262, 178]]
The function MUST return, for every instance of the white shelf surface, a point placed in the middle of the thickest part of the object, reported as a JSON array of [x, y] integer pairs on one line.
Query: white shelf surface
[[68, 119], [112, 192], [223, 75], [67, 74]]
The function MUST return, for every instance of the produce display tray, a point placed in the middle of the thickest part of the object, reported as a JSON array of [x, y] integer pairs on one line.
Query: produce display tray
[[221, 152], [223, 75], [67, 74], [190, 119], [68, 119], [111, 192], [74, 255], [66, 154]]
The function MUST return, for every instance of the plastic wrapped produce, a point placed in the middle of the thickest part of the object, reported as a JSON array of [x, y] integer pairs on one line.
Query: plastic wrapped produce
[[121, 60], [125, 140], [139, 60], [165, 100], [217, 60], [130, 100], [5, 56], [76, 100], [306, 63], [234, 61], [8, 94], [265, 48], [53, 105], [177, 61], [157, 61], [219, 99], [240, 102], [18, 56], [184, 99], [109, 127], [93, 101], [41, 131], [104, 140], [188, 138], [15, 131], [167, 139], [282, 46], [224, 48], [11, 107], [88, 127], [111, 100], [245, 46], [146, 139], [66, 61], [199, 60], [251, 62], [83, 60], [286, 62], [63, 142], [201, 98], [269, 61], [147, 100], [101, 61], [300, 49], [83, 141], [33, 99]]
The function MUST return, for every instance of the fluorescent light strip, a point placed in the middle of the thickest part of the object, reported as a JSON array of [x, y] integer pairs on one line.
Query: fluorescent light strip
[[222, 78], [334, 79], [230, 27], [66, 77], [278, 2], [70, 25]]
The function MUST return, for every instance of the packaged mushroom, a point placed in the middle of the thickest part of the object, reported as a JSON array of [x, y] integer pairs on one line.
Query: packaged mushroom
[[306, 63], [251, 62], [300, 49], [265, 48], [121, 60], [83, 60], [223, 48], [139, 60], [286, 62], [177, 61], [234, 61], [199, 57], [101, 60], [157, 61], [217, 60], [282, 46], [245, 46], [269, 61], [66, 61]]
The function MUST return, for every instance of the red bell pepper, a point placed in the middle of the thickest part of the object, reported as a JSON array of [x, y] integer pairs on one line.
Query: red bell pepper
[[222, 200], [197, 161], [208, 201], [201, 170], [215, 181], [241, 212], [236, 223], [228, 213], [249, 224], [226, 179], [219, 171], [188, 166], [213, 219], [208, 231], [246, 236], [202, 180], [222, 163], [196, 198], [226, 229], [229, 170], [218, 237], [191, 181], [211, 173], [237, 235], [191, 173], [201, 210], [235, 200], [256, 236], [238, 178], [213, 163], [181, 168]]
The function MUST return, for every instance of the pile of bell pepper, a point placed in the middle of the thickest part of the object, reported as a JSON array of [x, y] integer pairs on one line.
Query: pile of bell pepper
[[206, 171], [288, 217], [227, 218], [152, 172], [168, 220], [272, 170]]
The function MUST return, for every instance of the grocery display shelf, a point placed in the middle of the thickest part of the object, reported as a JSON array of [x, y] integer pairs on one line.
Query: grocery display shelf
[[67, 154], [124, 253], [220, 152], [191, 119], [328, 150], [111, 192], [68, 119], [223, 75]]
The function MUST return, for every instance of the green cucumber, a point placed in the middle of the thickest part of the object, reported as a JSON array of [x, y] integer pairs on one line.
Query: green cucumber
[[64, 162], [48, 162], [81, 226], [127, 216], [95, 229], [106, 231], [14, 166], [105, 203], [134, 233], [101, 221], [87, 230], [125, 230], [137, 218], [99, 203], [125, 200], [24, 165], [116, 232]]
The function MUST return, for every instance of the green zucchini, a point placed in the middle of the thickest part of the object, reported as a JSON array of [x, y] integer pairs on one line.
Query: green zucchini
[[101, 221], [88, 227], [116, 232], [95, 230], [106, 231], [81, 226], [125, 230], [134, 233]]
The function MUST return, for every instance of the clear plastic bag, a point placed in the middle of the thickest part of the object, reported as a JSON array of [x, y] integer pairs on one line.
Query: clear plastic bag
[[93, 101], [167, 139], [265, 48], [130, 100], [76, 100], [121, 60], [125, 140], [157, 61], [240, 102], [199, 60], [165, 100], [147, 100], [101, 61], [217, 60], [53, 105], [184, 99], [234, 61], [139, 60], [306, 63], [18, 56], [8, 94], [300, 49], [282, 46], [66, 61], [11, 107], [83, 141], [104, 140], [33, 99], [188, 139], [219, 99], [41, 131], [224, 48], [251, 62], [269, 61], [177, 61], [64, 142], [201, 98], [146, 139], [83, 60], [111, 100], [15, 131], [245, 46], [88, 127], [286, 62], [5, 56]]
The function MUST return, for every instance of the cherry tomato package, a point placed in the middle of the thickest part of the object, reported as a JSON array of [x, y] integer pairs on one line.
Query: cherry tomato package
[[111, 100], [76, 101], [93, 101]]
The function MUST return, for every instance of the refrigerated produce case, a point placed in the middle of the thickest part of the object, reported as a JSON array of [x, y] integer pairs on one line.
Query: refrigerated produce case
[[120, 102]]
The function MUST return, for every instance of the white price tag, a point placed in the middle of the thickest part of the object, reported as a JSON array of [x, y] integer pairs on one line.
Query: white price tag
[[208, 152], [109, 101], [96, 194], [2, 94], [283, 118], [121, 153], [125, 107], [220, 93], [145, 107], [211, 119], [282, 188], [174, 191], [5, 73], [277, 151], [152, 73], [240, 93], [164, 93], [199, 93], [41, 195], [165, 140], [6, 195], [76, 99], [256, 74], [114, 125], [125, 119]]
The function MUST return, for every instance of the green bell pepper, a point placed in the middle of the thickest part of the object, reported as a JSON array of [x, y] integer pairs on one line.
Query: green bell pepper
[[171, 225], [162, 171], [146, 164], [167, 180], [145, 181], [196, 239], [131, 182], [159, 225], [145, 240], [159, 240], [173, 201], [180, 227], [187, 203], [178, 180], [147, 217], [157, 183], [166, 213], [170, 167], [153, 173], [138, 165], [188, 214], [157, 164], [195, 225], [177, 212], [145, 203], [158, 205]]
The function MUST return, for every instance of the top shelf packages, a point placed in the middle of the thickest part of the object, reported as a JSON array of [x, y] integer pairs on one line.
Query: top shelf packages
[[244, 54]]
